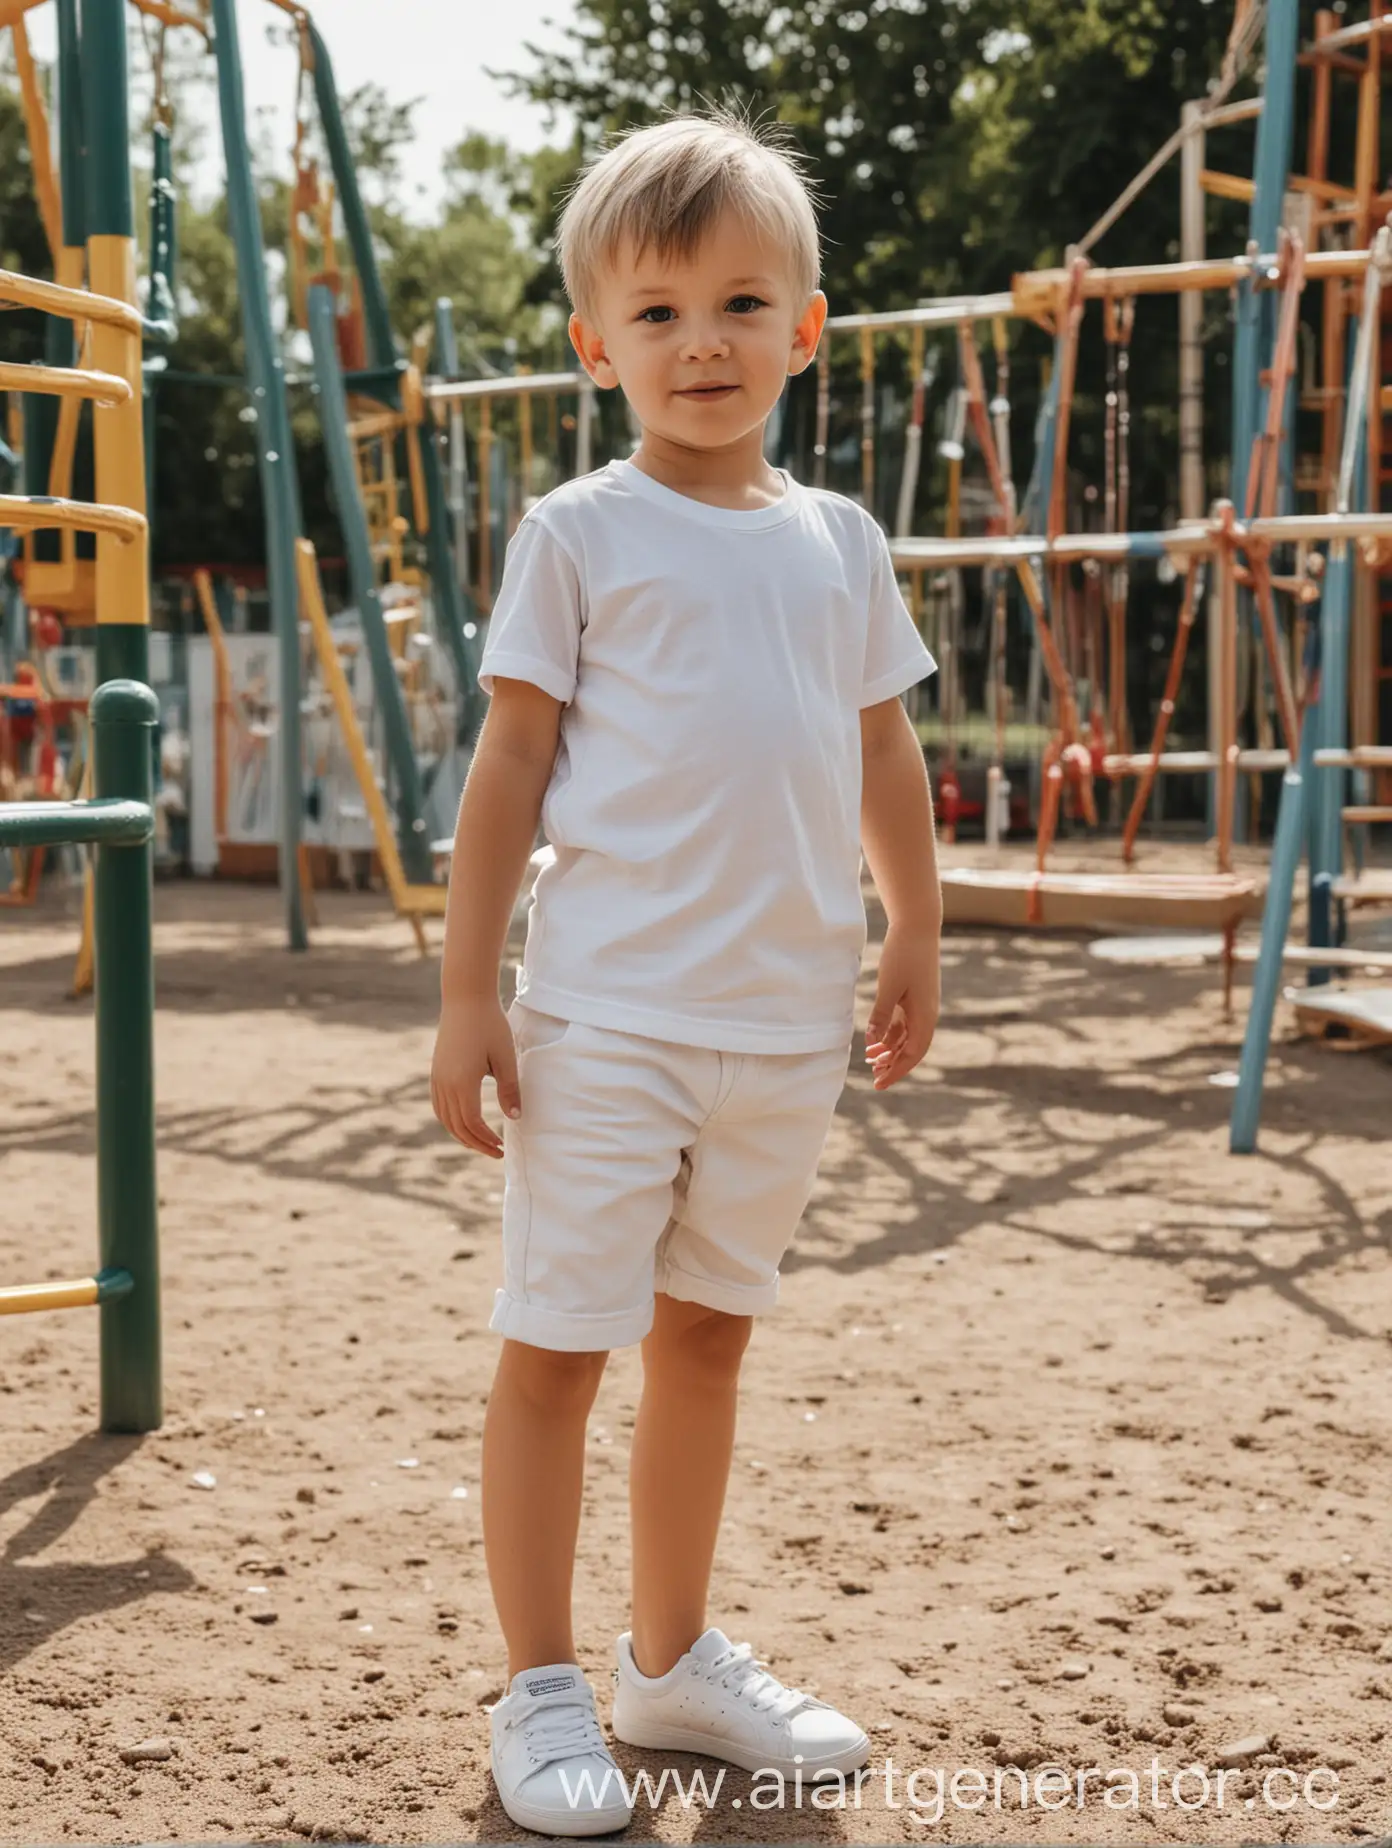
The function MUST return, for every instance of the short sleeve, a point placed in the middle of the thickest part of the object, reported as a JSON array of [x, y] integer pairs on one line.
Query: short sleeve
[[895, 657], [534, 631]]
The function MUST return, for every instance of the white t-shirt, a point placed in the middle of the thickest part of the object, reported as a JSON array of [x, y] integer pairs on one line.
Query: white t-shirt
[[705, 804]]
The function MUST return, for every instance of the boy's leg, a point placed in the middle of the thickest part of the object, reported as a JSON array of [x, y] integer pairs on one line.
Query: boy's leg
[[533, 1476], [680, 1464]]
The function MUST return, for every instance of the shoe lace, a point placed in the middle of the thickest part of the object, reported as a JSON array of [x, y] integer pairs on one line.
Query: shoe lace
[[559, 1726], [750, 1681]]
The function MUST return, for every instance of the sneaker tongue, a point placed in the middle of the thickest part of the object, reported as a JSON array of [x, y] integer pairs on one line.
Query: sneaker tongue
[[559, 1678], [713, 1644]]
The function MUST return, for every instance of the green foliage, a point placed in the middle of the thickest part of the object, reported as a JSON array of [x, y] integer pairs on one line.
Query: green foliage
[[23, 245]]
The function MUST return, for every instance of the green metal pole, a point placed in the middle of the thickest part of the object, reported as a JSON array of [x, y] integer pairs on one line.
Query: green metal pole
[[381, 346], [454, 607], [124, 717], [333, 420], [279, 487], [71, 139], [455, 613], [123, 647]]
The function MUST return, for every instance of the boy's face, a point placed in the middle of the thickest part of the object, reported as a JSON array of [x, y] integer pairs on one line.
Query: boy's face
[[701, 345]]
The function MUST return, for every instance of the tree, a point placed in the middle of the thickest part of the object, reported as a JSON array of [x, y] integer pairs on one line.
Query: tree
[[952, 143]]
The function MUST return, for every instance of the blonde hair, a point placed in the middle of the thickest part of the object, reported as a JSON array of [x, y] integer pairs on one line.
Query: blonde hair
[[664, 187]]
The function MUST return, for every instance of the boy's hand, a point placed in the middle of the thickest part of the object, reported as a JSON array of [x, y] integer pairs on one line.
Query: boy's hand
[[473, 1041], [907, 998]]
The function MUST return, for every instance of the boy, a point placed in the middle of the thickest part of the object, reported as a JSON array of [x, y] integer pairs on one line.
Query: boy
[[694, 667]]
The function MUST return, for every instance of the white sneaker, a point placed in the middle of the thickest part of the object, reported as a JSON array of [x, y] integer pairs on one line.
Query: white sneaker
[[720, 1701], [553, 1770]]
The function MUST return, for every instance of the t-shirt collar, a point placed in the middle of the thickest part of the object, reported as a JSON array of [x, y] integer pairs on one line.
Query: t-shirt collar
[[740, 519]]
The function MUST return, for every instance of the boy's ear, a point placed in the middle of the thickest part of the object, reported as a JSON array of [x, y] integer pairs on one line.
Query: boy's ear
[[808, 333], [589, 346]]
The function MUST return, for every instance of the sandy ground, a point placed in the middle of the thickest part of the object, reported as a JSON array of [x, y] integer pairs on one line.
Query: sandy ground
[[1068, 1443]]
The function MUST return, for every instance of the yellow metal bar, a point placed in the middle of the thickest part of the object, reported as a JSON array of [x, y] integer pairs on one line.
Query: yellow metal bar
[[312, 605], [40, 146], [123, 582], [70, 304], [65, 382], [25, 512], [26, 1298], [222, 708]]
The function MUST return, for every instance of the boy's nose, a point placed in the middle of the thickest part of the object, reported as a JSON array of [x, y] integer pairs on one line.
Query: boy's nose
[[704, 343]]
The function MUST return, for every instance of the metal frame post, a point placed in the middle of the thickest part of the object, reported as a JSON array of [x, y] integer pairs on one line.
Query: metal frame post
[[124, 717], [275, 451], [381, 345], [391, 703], [123, 590]]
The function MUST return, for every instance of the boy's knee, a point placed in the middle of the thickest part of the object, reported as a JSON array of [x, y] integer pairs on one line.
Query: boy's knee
[[701, 1340], [552, 1378]]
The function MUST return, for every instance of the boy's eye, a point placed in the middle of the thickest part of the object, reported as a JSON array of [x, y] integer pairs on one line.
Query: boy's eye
[[657, 316], [744, 304]]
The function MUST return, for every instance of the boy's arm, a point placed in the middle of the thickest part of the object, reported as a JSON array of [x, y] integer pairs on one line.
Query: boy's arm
[[493, 840], [896, 825]]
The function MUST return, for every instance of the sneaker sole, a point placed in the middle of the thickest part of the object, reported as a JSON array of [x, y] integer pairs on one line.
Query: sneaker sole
[[679, 1739], [561, 1822]]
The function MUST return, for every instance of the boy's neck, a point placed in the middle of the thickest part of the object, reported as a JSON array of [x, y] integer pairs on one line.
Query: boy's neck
[[737, 476]]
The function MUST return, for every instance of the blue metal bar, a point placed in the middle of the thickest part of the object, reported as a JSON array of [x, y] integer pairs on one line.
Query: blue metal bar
[[113, 822], [1266, 982], [275, 449], [1271, 169]]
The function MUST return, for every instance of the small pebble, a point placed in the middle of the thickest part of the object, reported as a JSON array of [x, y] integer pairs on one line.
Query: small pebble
[[408, 1463], [374, 1674], [265, 1617], [1107, 1552], [1175, 1715], [203, 1479], [148, 1752], [1269, 1603], [1074, 1671], [459, 1494], [1242, 1751]]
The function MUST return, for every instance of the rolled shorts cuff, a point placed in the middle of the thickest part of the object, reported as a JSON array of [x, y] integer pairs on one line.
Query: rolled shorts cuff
[[733, 1298], [568, 1334]]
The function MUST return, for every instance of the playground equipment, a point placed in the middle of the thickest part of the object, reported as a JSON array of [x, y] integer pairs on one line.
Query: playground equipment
[[1302, 699], [118, 822], [502, 510]]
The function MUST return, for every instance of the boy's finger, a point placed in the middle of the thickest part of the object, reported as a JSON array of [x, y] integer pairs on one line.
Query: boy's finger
[[503, 1066], [479, 1136]]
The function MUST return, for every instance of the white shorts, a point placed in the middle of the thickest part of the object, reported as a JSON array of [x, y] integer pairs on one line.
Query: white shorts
[[639, 1166]]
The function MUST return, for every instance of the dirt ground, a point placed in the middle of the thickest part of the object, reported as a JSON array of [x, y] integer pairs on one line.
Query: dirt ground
[[1067, 1445]]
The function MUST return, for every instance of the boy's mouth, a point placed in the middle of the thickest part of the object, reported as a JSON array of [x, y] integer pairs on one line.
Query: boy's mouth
[[706, 393]]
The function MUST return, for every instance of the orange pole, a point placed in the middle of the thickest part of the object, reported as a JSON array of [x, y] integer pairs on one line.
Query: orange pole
[[1192, 575], [222, 700]]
